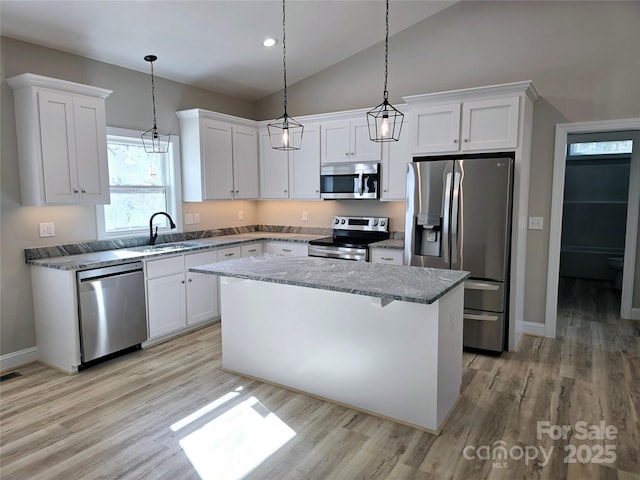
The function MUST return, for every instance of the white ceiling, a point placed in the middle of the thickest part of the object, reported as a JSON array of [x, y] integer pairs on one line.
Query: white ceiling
[[213, 44]]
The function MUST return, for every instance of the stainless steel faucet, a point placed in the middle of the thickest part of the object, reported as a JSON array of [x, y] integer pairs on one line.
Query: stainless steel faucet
[[152, 235]]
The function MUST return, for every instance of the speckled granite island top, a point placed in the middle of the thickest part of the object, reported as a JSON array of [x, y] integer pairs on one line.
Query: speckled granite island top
[[394, 282]]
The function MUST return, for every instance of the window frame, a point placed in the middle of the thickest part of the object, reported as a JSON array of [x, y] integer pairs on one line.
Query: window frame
[[173, 186]]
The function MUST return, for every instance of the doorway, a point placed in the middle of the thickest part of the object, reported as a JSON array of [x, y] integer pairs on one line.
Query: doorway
[[624, 129]]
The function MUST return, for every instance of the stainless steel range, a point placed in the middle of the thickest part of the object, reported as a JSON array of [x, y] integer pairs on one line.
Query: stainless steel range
[[351, 238]]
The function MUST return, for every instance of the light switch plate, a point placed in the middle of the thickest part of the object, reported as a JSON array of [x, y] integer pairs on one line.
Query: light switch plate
[[196, 218], [188, 218], [305, 216], [240, 215], [536, 223], [47, 229]]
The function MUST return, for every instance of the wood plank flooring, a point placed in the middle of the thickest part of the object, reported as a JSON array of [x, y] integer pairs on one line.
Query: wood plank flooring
[[115, 420]]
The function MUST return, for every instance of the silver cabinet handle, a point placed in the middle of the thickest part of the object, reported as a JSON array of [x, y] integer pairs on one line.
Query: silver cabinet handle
[[181, 281], [190, 280], [386, 258], [286, 249], [82, 190], [455, 140], [471, 285], [229, 254], [487, 318], [75, 191], [252, 250]]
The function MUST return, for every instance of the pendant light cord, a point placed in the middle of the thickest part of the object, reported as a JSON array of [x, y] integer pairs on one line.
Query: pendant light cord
[[386, 53], [284, 56], [153, 96]]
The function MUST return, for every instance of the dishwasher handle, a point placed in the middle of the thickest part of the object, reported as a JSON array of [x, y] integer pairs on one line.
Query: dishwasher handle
[[104, 272]]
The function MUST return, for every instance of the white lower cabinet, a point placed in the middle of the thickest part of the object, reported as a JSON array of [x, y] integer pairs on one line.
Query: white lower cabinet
[[286, 249], [386, 255], [251, 249], [177, 298]]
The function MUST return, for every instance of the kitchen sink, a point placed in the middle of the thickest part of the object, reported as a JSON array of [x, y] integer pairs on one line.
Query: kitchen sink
[[163, 247]]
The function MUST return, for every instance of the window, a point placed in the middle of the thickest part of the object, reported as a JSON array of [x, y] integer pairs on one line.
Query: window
[[140, 184], [601, 148]]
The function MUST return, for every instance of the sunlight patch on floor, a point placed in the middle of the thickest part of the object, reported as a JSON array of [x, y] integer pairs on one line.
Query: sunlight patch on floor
[[234, 443]]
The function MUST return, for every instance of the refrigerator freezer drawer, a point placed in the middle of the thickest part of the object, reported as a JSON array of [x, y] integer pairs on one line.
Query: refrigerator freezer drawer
[[484, 295], [483, 330]]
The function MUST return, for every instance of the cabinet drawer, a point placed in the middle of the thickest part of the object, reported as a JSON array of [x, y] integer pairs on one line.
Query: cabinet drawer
[[252, 249], [287, 249], [202, 258], [164, 266], [386, 255], [229, 253]]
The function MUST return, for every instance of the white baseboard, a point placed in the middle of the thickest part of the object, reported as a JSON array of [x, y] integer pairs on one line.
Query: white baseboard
[[12, 360], [635, 314], [533, 328]]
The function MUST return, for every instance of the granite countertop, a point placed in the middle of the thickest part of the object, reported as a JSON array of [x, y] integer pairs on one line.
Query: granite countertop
[[105, 258], [392, 282]]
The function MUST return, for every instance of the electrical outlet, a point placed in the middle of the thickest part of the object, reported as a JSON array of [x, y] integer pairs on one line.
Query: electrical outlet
[[240, 215], [188, 218], [196, 218], [305, 216], [536, 223], [47, 229]]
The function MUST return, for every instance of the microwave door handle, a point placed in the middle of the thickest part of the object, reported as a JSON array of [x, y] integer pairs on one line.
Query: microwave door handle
[[361, 183], [446, 200], [454, 218]]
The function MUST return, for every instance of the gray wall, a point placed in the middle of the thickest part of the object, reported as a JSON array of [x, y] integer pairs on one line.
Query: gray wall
[[582, 57]]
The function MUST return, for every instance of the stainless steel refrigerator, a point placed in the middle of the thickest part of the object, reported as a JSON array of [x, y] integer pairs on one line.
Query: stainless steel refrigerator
[[459, 217]]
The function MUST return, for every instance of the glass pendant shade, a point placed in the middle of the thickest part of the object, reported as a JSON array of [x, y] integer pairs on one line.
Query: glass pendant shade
[[284, 132], [154, 140], [385, 120]]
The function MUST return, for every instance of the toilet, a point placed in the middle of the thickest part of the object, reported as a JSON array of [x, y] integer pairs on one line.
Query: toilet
[[616, 263]]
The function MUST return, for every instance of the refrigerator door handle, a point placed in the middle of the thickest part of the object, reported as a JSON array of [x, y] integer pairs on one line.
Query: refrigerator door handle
[[473, 316], [445, 222], [454, 218], [471, 285], [361, 183]]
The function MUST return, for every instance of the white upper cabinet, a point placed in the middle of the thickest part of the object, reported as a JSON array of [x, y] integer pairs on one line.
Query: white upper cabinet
[[395, 156], [219, 156], [348, 141], [62, 141], [465, 126], [294, 174]]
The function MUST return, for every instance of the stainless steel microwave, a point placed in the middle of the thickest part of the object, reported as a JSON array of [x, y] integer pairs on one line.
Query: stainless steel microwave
[[350, 180]]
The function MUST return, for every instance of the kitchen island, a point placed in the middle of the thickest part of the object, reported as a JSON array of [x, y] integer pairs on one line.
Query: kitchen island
[[384, 339]]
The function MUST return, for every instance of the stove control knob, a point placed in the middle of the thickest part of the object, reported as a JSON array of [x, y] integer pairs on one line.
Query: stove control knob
[[336, 221], [382, 222], [343, 221], [375, 223]]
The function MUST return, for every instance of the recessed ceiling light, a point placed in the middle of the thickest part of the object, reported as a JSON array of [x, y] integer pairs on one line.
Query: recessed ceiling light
[[269, 42]]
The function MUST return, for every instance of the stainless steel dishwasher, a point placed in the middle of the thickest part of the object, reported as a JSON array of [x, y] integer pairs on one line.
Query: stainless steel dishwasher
[[112, 311]]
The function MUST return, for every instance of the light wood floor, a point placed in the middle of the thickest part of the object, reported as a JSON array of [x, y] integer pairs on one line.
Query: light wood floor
[[114, 420]]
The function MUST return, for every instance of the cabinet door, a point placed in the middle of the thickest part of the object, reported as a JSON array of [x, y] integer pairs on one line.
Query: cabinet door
[[166, 310], [304, 166], [363, 149], [217, 159], [58, 147], [202, 297], [245, 162], [274, 169], [91, 150], [336, 145], [490, 124], [394, 166], [435, 129]]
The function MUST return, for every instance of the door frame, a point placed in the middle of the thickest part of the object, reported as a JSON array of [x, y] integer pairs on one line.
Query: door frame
[[555, 220]]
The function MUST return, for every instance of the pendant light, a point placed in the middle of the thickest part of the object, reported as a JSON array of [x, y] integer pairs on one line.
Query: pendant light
[[154, 140], [385, 121], [284, 132]]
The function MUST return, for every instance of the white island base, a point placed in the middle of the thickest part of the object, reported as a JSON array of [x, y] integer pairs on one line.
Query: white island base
[[395, 359]]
